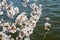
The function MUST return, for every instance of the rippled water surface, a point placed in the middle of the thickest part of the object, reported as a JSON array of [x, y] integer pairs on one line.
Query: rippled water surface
[[51, 8]]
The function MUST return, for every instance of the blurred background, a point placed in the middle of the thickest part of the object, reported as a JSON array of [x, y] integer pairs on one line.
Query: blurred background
[[51, 9]]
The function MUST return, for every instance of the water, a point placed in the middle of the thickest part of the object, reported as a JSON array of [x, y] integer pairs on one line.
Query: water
[[51, 8]]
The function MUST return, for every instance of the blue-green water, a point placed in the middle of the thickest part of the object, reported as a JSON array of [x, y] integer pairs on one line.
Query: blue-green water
[[51, 9]]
